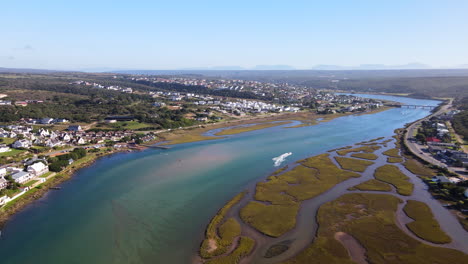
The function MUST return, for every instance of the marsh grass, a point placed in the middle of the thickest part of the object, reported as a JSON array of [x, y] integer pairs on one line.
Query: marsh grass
[[282, 193], [370, 219], [394, 160], [353, 164], [367, 149], [372, 185], [424, 225], [417, 168], [243, 248], [242, 129], [271, 220], [227, 231], [392, 175], [367, 156], [394, 152]]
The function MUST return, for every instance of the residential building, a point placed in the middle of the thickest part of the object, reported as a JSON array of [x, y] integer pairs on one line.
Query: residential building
[[74, 128], [22, 177], [37, 169], [3, 183], [22, 143], [4, 148]]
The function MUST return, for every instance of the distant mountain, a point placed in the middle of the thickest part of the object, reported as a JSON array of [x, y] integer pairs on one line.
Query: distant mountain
[[18, 70], [409, 66], [273, 67]]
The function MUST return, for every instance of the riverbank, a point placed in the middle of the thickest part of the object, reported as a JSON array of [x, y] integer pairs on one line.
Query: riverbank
[[39, 190], [232, 127]]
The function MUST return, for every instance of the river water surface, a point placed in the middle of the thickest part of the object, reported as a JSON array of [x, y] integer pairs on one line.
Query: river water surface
[[153, 206]]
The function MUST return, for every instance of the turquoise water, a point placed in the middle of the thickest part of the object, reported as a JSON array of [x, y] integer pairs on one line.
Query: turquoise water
[[153, 206]]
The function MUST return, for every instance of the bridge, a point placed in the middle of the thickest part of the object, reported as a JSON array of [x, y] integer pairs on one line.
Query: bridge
[[418, 106]]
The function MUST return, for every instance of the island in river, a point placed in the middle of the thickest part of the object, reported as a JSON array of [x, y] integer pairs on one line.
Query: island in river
[[153, 206]]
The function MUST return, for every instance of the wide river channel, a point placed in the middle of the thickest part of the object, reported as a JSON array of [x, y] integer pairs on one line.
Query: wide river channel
[[153, 206]]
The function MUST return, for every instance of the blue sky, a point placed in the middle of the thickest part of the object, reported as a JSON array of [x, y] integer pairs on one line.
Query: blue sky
[[152, 34]]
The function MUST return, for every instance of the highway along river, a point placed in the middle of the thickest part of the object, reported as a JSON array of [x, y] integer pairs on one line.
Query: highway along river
[[153, 206]]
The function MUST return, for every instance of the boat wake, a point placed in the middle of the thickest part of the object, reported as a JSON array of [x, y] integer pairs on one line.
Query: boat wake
[[278, 160]]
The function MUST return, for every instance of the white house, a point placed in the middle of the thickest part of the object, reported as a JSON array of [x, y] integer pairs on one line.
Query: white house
[[22, 143], [22, 177], [3, 183], [4, 148], [37, 169], [3, 172]]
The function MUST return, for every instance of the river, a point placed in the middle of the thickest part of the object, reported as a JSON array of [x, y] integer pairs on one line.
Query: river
[[153, 206]]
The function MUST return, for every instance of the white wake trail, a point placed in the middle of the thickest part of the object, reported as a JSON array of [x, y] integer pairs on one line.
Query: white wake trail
[[278, 160]]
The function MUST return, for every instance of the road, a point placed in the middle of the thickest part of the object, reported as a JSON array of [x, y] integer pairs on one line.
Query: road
[[416, 149]]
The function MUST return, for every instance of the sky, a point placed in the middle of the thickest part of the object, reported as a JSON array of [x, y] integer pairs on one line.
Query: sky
[[175, 34]]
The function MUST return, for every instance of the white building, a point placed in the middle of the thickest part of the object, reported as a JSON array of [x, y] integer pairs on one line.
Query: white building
[[4, 148], [37, 169], [3, 172], [22, 143], [3, 183], [22, 177]]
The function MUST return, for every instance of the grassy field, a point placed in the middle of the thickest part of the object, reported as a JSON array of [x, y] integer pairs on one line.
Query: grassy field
[[367, 149], [424, 225], [369, 218], [367, 156], [272, 220], [310, 178], [242, 129], [392, 175], [417, 168], [12, 152], [227, 231], [31, 182], [372, 185], [394, 152], [186, 138], [353, 164], [132, 125], [394, 160], [244, 247], [7, 141]]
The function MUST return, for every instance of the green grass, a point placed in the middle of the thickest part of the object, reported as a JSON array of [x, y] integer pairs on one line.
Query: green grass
[[272, 220], [7, 141], [31, 182], [244, 247], [367, 149], [367, 156], [227, 231], [45, 175], [131, 125], [392, 175], [12, 152], [353, 164], [372, 185], [370, 219], [424, 225], [394, 152], [417, 168], [394, 160]]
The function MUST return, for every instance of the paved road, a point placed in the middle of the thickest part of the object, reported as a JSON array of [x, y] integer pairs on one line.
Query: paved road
[[416, 149]]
